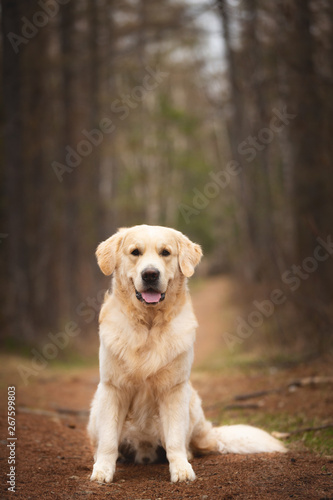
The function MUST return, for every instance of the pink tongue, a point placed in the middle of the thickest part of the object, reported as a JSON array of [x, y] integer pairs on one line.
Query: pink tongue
[[151, 297]]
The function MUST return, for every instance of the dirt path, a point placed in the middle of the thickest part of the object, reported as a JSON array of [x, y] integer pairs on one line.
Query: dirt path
[[54, 460], [213, 311]]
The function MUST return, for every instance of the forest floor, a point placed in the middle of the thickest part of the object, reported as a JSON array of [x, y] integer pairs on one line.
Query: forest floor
[[54, 459]]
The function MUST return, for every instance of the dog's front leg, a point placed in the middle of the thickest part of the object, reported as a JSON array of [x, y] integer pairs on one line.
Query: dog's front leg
[[112, 407], [175, 414]]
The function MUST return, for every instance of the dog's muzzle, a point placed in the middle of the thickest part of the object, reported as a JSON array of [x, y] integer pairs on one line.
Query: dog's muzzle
[[150, 295]]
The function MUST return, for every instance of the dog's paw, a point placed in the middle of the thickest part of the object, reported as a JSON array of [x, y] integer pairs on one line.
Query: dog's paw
[[181, 472], [102, 473]]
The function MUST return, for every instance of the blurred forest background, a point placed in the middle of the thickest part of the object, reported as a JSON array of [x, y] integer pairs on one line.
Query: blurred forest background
[[215, 118]]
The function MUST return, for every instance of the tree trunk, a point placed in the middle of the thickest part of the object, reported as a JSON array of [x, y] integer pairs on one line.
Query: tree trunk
[[13, 246]]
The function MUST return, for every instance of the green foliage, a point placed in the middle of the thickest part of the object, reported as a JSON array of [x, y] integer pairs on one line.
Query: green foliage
[[187, 123], [166, 163]]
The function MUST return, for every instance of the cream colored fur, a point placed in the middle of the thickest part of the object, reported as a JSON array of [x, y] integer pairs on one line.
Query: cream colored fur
[[145, 399]]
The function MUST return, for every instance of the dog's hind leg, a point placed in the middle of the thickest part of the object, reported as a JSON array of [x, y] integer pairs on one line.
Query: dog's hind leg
[[202, 438]]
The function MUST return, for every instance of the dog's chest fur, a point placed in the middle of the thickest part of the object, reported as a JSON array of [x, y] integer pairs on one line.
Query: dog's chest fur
[[137, 353]]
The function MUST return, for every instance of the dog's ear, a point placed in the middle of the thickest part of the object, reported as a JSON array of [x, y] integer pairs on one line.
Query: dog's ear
[[106, 252], [189, 255]]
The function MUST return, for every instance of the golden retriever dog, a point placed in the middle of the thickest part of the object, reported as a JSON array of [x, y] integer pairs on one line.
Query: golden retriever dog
[[145, 405]]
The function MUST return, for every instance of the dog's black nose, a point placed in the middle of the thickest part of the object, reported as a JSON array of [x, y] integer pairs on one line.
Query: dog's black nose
[[150, 275]]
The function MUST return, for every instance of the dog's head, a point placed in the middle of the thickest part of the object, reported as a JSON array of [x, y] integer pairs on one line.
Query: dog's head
[[148, 260]]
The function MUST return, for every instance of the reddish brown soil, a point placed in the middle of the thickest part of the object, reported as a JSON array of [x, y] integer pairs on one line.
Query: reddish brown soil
[[54, 460]]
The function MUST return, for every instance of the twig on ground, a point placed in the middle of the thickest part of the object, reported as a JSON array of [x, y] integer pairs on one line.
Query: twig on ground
[[258, 394], [292, 386], [286, 435], [246, 406]]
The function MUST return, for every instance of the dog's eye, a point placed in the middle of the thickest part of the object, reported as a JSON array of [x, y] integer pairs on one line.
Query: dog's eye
[[135, 252], [165, 253]]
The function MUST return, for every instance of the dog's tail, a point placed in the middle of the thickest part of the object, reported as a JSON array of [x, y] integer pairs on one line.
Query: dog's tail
[[233, 439], [245, 439], [229, 438]]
